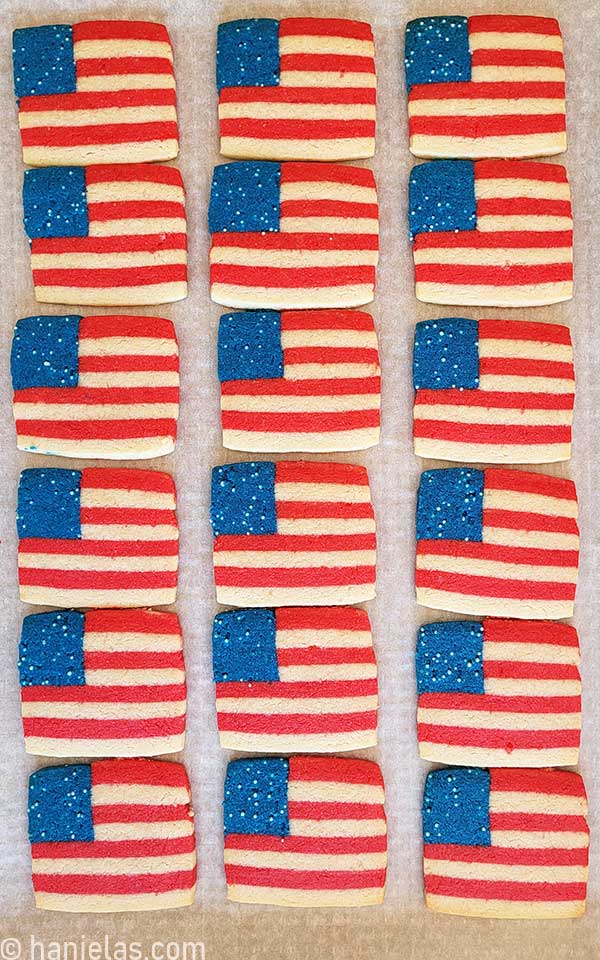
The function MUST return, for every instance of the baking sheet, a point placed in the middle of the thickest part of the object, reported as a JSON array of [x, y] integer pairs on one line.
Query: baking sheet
[[401, 926]]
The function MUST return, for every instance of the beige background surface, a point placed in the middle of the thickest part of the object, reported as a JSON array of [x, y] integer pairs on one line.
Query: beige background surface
[[401, 927]]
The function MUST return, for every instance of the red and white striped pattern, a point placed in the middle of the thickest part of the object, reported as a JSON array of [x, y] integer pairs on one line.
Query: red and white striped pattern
[[128, 551], [324, 253], [514, 104], [123, 109], [143, 855], [323, 107], [530, 711], [136, 248], [336, 850], [324, 548], [522, 410], [126, 401], [520, 254], [326, 695], [133, 702], [525, 566], [536, 866], [328, 398]]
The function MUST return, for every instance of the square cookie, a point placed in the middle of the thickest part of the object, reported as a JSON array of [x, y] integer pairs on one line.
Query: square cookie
[[104, 683], [299, 380], [497, 542], [493, 233], [292, 533], [112, 836], [493, 391], [485, 86], [102, 387], [300, 88], [97, 537], [106, 235], [294, 679], [293, 235], [505, 843], [305, 832], [505, 693], [101, 91]]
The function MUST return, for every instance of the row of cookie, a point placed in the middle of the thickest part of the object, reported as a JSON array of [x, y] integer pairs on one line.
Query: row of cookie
[[111, 682], [300, 235], [114, 835], [493, 391], [298, 88]]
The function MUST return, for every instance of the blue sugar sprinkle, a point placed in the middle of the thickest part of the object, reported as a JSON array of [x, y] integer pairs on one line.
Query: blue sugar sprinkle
[[244, 646], [250, 346], [60, 804], [243, 498], [51, 649], [43, 60], [244, 197], [45, 352], [255, 797], [456, 807], [450, 505], [446, 354], [48, 504], [248, 53], [442, 197], [449, 657], [55, 202], [437, 50]]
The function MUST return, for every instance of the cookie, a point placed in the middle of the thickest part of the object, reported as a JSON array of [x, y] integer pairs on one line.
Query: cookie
[[106, 235], [293, 235], [299, 380], [301, 88], [101, 387], [112, 836], [104, 683], [493, 233], [505, 693], [295, 679], [485, 86], [294, 533], [305, 832], [102, 91], [97, 537], [505, 843], [493, 391], [497, 543]]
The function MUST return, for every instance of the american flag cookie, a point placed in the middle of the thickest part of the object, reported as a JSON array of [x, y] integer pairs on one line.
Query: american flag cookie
[[97, 537], [485, 86], [305, 832], [293, 235], [511, 844], [491, 232], [295, 678], [102, 387], [301, 88], [299, 380], [106, 235], [493, 391], [104, 683], [292, 533], [112, 836], [101, 91], [497, 542], [503, 693]]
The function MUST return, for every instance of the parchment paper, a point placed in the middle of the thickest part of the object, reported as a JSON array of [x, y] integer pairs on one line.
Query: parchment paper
[[401, 927]]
